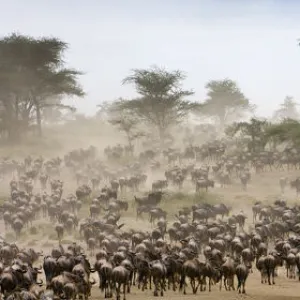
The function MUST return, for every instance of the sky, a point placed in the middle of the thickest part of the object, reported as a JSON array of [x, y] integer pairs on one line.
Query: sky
[[253, 42]]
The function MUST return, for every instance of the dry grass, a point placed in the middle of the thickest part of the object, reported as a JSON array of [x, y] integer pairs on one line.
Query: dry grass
[[263, 187]]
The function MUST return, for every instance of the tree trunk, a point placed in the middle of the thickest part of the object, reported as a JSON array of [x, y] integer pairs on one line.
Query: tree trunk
[[129, 139], [162, 136], [38, 120], [11, 124], [222, 123]]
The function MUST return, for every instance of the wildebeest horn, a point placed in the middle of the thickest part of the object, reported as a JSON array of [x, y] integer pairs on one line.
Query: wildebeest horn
[[40, 282], [93, 282], [92, 270]]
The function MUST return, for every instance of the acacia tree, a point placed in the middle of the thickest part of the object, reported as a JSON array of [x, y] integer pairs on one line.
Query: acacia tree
[[55, 111], [123, 120], [287, 131], [288, 110], [254, 131], [32, 71], [161, 101], [225, 101]]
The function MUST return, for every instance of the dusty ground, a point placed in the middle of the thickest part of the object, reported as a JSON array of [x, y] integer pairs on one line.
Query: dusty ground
[[264, 187], [283, 289]]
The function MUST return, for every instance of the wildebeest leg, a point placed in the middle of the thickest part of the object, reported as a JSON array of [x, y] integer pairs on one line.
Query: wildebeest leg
[[239, 286], [162, 287], [265, 276], [155, 293], [182, 284], [225, 283], [102, 286], [118, 288], [139, 284], [144, 283], [261, 277], [184, 288], [203, 284], [124, 291], [173, 282], [244, 291], [193, 285], [107, 292], [269, 275], [209, 284], [128, 286], [198, 284], [294, 271], [273, 275], [229, 282], [169, 282], [133, 277]]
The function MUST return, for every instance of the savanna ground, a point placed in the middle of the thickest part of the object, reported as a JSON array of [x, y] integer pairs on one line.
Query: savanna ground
[[264, 187]]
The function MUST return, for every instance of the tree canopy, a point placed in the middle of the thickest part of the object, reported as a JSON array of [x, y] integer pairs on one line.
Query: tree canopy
[[288, 110], [287, 131], [225, 101], [255, 131], [35, 80], [123, 120], [32, 75], [161, 101]]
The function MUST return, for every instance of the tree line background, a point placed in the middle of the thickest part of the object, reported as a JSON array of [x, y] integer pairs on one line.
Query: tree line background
[[34, 82]]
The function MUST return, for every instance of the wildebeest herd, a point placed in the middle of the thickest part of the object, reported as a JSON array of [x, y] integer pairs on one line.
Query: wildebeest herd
[[202, 247]]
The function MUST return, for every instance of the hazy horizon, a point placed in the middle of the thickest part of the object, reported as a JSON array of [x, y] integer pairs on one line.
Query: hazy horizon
[[254, 44]]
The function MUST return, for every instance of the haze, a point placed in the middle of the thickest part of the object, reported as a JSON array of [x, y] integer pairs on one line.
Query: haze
[[252, 42]]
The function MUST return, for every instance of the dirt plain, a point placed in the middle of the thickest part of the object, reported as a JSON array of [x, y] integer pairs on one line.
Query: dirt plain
[[264, 187]]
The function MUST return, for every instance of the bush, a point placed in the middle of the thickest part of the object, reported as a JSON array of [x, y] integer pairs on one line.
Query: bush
[[33, 230]]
